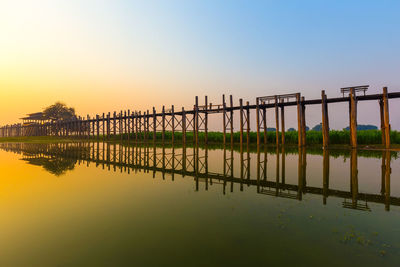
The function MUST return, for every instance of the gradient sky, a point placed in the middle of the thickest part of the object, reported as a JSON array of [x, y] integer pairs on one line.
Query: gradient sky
[[101, 56]]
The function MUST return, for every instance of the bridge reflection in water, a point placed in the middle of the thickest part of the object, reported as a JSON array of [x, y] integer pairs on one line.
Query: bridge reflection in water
[[58, 158]]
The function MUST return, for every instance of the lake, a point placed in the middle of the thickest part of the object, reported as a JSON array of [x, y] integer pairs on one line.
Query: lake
[[99, 204]]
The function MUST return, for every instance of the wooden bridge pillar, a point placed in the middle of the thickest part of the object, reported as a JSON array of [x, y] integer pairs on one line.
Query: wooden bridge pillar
[[241, 122], [183, 127], [325, 120], [303, 121], [163, 125], [206, 120], [258, 121], [154, 125], [173, 124], [276, 121], [353, 118], [103, 120], [97, 127], [231, 120], [282, 123], [115, 124], [224, 119], [299, 118], [196, 121], [386, 117], [129, 125]]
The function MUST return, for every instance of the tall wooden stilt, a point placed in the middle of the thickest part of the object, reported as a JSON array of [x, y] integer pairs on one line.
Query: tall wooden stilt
[[325, 120], [154, 125], [231, 120], [386, 117], [206, 120], [299, 118], [353, 119], [163, 125], [276, 121], [282, 123], [241, 123]]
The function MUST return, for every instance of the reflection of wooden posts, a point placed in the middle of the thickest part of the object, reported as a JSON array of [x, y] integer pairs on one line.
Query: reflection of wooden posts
[[300, 175], [354, 176], [276, 121], [283, 165], [325, 120], [325, 174], [383, 172], [282, 123], [303, 121], [206, 120], [277, 172], [183, 127], [386, 117], [388, 171], [173, 124], [163, 124], [299, 123], [353, 118]]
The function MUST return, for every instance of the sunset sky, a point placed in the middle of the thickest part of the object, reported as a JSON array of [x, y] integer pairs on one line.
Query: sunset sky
[[101, 56]]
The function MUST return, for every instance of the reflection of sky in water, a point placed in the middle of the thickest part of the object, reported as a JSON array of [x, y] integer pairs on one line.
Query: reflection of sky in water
[[93, 216]]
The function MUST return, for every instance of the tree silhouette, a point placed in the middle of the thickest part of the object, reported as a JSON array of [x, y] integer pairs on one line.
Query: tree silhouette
[[59, 111]]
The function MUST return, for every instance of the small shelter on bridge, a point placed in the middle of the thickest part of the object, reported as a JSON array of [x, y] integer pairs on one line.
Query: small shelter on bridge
[[34, 118]]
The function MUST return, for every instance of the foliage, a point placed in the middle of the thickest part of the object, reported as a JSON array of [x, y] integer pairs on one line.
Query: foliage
[[59, 111]]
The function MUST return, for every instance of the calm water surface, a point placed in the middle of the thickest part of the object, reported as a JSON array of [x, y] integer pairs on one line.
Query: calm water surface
[[95, 204]]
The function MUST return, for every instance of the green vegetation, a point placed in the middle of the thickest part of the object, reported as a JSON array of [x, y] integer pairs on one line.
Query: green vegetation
[[366, 137], [59, 111]]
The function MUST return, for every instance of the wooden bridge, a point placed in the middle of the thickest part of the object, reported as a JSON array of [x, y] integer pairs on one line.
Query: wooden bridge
[[193, 162], [143, 126]]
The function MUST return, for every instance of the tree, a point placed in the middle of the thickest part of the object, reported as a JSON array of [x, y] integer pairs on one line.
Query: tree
[[58, 112]]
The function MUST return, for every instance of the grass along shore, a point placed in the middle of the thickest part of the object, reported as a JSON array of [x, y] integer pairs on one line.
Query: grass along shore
[[364, 137]]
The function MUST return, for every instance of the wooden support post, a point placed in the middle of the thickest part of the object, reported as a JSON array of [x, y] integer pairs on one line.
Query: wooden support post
[[196, 121], [325, 120], [154, 125], [224, 119], [163, 125], [97, 126], [115, 124], [282, 123], [129, 125], [353, 118], [121, 127], [104, 128], [258, 121], [241, 122], [108, 125], [184, 128], [136, 126], [382, 116], [386, 117], [87, 126], [206, 120], [173, 124], [299, 123], [276, 121], [248, 128], [231, 120], [303, 121], [265, 125]]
